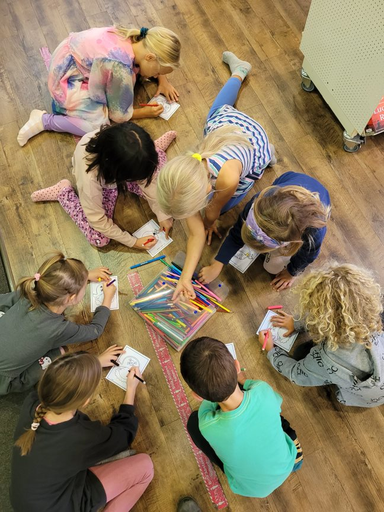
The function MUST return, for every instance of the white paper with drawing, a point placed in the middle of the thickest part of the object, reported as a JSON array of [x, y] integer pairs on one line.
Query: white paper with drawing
[[277, 332], [151, 228], [243, 259], [131, 357], [97, 295], [170, 107]]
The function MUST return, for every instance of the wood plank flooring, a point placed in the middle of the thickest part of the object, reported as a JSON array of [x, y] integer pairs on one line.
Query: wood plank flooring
[[343, 447]]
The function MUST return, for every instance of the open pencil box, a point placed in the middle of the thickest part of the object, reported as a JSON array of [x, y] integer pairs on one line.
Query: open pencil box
[[177, 322]]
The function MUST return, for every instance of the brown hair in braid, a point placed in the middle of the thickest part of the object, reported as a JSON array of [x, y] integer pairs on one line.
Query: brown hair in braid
[[56, 280], [66, 385]]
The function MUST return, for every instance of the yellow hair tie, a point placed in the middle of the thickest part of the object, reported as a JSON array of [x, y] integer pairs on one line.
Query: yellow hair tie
[[197, 156]]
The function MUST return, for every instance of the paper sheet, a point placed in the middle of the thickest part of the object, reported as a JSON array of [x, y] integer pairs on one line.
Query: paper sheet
[[277, 332], [149, 229], [231, 348], [169, 107], [244, 258], [97, 295], [118, 374]]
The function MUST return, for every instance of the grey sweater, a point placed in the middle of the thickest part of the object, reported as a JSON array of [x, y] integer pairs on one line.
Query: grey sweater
[[25, 336], [357, 372]]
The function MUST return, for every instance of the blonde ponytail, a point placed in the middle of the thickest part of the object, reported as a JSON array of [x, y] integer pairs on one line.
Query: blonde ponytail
[[57, 278], [160, 41], [27, 439], [183, 182]]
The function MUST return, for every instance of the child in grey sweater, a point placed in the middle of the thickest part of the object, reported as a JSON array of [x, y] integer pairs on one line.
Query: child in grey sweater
[[340, 307], [33, 328]]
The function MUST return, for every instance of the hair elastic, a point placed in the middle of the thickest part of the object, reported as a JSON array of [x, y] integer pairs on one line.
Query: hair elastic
[[35, 426], [143, 32], [37, 276], [258, 234], [197, 156]]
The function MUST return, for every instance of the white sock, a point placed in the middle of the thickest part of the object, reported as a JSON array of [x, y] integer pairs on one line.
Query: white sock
[[32, 127], [237, 66]]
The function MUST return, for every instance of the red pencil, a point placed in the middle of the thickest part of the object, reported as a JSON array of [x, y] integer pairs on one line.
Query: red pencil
[[149, 105], [275, 307], [149, 240]]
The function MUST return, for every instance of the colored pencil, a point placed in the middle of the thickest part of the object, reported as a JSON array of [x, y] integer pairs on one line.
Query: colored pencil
[[111, 282], [149, 241], [149, 105], [148, 261], [275, 307], [266, 337], [128, 368]]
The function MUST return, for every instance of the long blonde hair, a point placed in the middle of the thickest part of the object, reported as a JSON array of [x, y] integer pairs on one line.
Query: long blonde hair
[[160, 41], [66, 385], [182, 183], [56, 278], [284, 213], [340, 304]]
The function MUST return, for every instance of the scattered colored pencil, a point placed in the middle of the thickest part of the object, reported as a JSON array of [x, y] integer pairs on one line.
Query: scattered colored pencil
[[275, 307], [148, 261]]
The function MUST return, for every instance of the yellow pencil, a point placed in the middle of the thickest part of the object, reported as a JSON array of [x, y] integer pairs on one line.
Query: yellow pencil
[[220, 306], [200, 306]]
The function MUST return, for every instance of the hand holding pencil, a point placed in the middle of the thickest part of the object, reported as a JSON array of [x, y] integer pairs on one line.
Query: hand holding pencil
[[151, 109], [146, 242], [266, 340]]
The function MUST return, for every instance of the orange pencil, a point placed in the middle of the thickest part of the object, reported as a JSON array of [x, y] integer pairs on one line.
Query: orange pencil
[[149, 105]]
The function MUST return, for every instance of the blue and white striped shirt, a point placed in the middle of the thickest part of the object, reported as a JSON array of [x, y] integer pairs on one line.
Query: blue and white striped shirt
[[253, 161]]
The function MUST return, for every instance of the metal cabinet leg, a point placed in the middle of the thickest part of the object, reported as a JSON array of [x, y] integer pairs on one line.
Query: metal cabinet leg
[[306, 83], [352, 144]]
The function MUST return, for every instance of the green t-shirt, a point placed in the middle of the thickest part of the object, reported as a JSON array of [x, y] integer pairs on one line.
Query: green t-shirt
[[257, 454]]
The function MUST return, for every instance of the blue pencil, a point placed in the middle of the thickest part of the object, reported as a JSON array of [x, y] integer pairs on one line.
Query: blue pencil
[[148, 261]]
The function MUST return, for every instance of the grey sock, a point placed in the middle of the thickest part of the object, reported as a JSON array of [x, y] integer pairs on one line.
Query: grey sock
[[237, 66]]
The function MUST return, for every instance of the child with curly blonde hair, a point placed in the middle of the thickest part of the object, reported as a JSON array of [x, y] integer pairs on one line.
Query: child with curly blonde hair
[[340, 307]]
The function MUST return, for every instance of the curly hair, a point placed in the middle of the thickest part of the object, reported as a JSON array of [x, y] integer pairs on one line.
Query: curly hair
[[340, 305]]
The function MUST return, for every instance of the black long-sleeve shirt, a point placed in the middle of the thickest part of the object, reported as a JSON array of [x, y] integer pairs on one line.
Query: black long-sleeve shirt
[[54, 476], [312, 238]]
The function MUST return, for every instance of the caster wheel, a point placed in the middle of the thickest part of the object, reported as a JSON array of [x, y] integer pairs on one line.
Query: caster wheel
[[308, 88], [352, 149]]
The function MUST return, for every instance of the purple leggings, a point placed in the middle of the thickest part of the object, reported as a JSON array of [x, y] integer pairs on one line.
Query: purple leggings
[[67, 124], [71, 204]]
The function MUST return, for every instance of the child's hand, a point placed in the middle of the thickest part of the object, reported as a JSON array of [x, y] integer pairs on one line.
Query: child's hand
[[262, 335], [99, 274], [166, 226], [146, 242], [282, 280], [184, 287], [208, 274], [112, 353], [209, 232], [109, 293], [285, 321], [167, 90], [132, 384], [151, 112], [240, 376]]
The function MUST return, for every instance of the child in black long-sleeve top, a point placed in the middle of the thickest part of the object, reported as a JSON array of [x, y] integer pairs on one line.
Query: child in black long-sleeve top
[[287, 221], [32, 323], [57, 446]]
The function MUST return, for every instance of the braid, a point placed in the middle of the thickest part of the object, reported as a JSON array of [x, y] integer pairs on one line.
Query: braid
[[27, 439]]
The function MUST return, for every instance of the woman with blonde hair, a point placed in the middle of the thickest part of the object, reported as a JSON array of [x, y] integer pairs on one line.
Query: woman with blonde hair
[[340, 307], [233, 154], [32, 322], [59, 458], [286, 222], [92, 77]]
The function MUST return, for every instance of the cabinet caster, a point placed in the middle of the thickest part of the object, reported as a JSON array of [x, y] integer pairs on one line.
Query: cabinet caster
[[352, 144], [306, 83]]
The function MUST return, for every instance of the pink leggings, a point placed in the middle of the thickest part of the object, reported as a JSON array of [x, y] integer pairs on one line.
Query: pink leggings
[[124, 481], [71, 204]]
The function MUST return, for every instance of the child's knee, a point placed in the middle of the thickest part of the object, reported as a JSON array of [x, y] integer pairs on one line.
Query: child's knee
[[147, 466], [100, 242]]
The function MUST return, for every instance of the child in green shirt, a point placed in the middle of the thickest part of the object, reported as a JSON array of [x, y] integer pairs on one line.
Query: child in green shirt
[[238, 425]]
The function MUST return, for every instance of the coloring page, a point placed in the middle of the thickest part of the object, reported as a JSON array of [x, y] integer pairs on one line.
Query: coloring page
[[277, 332], [169, 107], [243, 258], [97, 295], [151, 228], [231, 348], [131, 357]]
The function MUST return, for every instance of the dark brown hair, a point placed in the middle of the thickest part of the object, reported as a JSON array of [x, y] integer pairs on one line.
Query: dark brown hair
[[285, 214], [209, 369], [66, 385], [58, 277]]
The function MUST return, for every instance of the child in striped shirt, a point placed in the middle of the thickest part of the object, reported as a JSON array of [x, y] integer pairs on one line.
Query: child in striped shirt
[[234, 152]]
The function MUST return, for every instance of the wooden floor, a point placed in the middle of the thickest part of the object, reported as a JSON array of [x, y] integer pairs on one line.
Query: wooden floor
[[343, 447]]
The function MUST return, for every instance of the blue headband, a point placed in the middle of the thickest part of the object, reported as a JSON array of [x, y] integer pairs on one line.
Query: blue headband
[[143, 32]]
